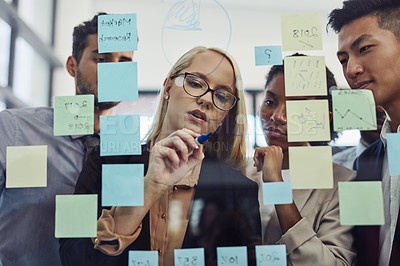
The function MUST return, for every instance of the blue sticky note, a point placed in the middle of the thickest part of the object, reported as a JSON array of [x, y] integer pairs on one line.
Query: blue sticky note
[[143, 257], [268, 55], [117, 81], [393, 147], [277, 193], [117, 33], [271, 255], [120, 135], [227, 256], [122, 185], [189, 256]]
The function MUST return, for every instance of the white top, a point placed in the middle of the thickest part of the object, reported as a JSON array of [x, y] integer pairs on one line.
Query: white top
[[347, 156], [391, 203]]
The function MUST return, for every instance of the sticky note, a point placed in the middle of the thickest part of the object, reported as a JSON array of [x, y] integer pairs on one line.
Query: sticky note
[[73, 115], [311, 167], [353, 109], [305, 76], [268, 55], [232, 256], [308, 120], [117, 81], [122, 185], [143, 257], [393, 149], [117, 33], [76, 216], [120, 135], [301, 31], [26, 166], [271, 255], [189, 256], [277, 193], [361, 203]]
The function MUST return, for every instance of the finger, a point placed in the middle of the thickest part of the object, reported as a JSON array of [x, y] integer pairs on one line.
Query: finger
[[179, 146], [188, 137]]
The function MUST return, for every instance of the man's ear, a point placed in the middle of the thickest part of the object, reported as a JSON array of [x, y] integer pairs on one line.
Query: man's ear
[[72, 66]]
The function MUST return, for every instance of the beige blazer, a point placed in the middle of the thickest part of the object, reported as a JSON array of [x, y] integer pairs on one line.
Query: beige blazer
[[318, 238]]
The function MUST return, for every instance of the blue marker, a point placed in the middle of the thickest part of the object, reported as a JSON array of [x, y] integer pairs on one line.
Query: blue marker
[[202, 138]]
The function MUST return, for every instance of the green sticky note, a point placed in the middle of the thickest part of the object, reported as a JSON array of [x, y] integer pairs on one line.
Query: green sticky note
[[308, 120], [311, 167], [301, 31], [353, 109], [73, 115], [26, 166], [305, 76], [361, 203], [189, 256], [76, 216]]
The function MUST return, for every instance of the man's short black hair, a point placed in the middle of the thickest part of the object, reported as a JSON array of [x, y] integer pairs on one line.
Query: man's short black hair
[[387, 12], [330, 84], [81, 32]]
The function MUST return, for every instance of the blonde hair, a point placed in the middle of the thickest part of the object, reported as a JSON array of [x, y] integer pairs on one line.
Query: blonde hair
[[229, 142]]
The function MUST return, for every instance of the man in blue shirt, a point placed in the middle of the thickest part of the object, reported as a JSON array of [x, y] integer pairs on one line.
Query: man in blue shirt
[[27, 215]]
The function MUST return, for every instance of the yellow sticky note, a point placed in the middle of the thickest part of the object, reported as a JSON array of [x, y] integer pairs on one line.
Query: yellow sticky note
[[76, 216], [311, 167], [305, 76], [26, 166], [301, 31], [308, 120]]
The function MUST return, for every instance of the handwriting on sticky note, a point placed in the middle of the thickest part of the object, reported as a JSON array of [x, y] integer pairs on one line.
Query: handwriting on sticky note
[[361, 203], [117, 81], [271, 255], [353, 109], [190, 256], [143, 258], [277, 193], [311, 167], [232, 256], [268, 55], [393, 149], [122, 185], [301, 31], [120, 135], [73, 115], [117, 32], [305, 76], [26, 166], [308, 120], [76, 216]]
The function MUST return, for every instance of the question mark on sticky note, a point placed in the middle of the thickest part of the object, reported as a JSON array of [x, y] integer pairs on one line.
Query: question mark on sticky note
[[268, 53]]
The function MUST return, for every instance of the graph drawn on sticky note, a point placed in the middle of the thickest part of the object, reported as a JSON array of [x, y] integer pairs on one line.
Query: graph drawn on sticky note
[[353, 109], [305, 76], [301, 31], [308, 120]]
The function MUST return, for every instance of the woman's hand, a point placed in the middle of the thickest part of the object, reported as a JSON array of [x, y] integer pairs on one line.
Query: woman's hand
[[172, 157], [269, 160]]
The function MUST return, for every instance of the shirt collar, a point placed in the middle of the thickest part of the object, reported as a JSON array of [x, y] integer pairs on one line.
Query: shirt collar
[[387, 129]]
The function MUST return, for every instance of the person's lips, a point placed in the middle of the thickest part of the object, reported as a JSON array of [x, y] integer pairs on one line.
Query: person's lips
[[361, 85], [197, 116], [274, 132]]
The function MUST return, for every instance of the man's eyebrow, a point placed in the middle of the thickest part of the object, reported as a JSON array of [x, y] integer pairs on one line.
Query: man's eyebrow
[[270, 93]]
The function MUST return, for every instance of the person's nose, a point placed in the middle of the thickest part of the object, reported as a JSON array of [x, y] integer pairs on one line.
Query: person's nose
[[279, 115], [354, 68], [206, 100]]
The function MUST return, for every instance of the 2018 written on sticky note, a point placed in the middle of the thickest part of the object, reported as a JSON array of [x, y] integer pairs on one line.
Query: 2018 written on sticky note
[[305, 76], [311, 167], [361, 203], [122, 185], [271, 255], [76, 216], [73, 115], [301, 31], [26, 166], [308, 120], [353, 109], [120, 135], [117, 33], [117, 81]]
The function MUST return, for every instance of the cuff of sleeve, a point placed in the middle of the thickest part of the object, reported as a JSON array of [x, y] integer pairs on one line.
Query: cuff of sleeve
[[107, 240], [297, 235]]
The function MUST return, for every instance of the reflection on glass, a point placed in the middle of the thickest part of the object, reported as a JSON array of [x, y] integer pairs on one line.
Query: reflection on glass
[[5, 33]]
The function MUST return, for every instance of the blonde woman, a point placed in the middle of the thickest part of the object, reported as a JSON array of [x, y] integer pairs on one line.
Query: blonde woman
[[202, 93]]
